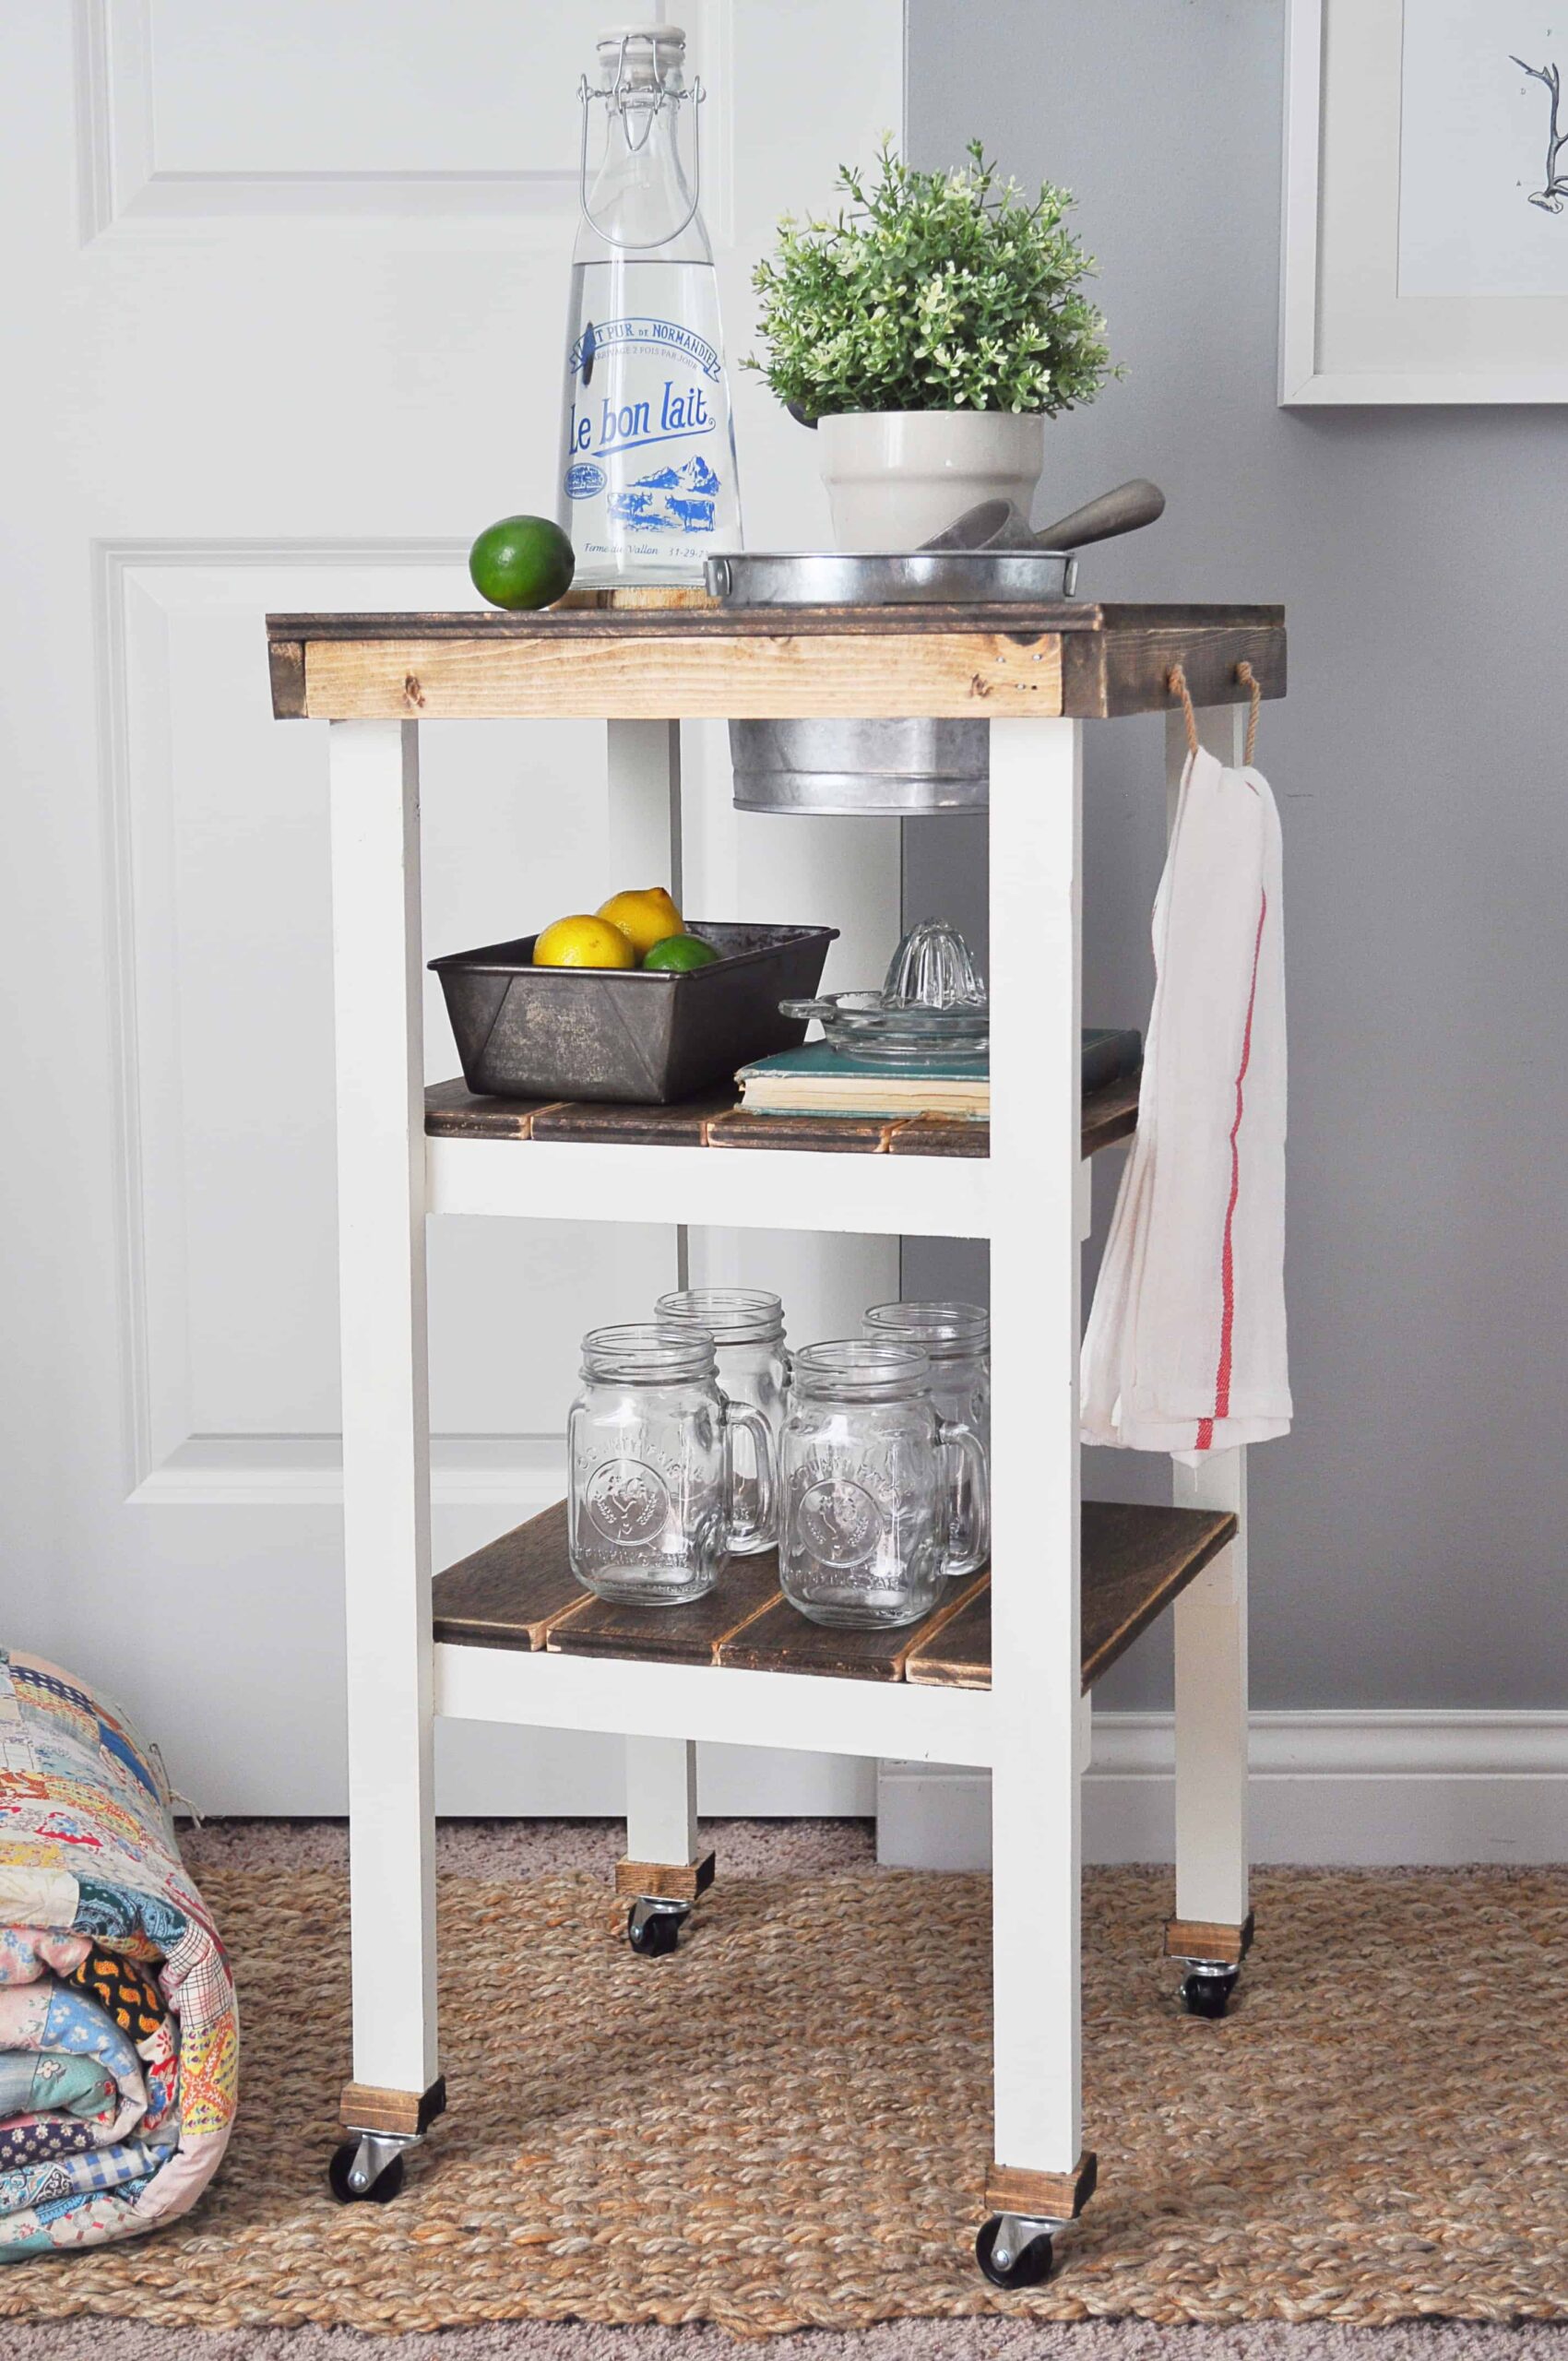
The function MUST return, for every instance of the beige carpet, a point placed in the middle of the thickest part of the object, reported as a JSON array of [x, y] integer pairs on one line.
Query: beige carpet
[[982, 2340], [787, 2125]]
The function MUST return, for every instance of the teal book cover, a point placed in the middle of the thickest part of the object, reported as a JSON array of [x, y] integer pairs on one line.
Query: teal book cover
[[1108, 1054], [816, 1059]]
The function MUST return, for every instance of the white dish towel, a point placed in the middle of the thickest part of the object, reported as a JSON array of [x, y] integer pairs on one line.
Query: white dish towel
[[1185, 1348]]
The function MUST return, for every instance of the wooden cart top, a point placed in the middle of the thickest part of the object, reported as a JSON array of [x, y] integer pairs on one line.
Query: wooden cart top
[[1072, 656]]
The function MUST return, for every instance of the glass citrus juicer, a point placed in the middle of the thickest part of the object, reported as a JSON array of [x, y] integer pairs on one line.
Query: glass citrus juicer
[[933, 1004]]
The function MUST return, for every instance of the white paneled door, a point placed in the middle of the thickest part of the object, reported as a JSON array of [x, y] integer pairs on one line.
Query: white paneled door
[[285, 288]]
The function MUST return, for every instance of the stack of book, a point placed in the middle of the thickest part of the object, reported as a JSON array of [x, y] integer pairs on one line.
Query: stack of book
[[816, 1080]]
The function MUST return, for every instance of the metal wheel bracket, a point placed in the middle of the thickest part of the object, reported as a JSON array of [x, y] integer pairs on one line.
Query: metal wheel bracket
[[650, 1910], [375, 2152], [1015, 2232]]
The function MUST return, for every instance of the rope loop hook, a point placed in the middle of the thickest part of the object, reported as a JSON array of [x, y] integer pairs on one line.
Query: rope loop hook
[[1176, 684], [1176, 681], [1249, 680]]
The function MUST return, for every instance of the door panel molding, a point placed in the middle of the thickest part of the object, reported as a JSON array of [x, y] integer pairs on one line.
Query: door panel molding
[[217, 1409], [134, 179], [515, 1475]]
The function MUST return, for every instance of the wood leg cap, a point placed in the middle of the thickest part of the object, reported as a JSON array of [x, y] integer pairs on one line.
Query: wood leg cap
[[1207, 1938], [1044, 2197], [400, 2114], [665, 1881]]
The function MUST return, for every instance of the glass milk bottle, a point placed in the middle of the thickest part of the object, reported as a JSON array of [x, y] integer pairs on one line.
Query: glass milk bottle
[[648, 486]]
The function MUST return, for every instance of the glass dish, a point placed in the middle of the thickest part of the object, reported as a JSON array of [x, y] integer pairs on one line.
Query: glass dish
[[933, 1004]]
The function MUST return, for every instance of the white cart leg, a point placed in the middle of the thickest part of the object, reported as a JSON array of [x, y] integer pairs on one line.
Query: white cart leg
[[1039, 2174], [661, 1872], [665, 1868], [645, 827], [378, 998], [1212, 1927], [1213, 1923], [645, 802]]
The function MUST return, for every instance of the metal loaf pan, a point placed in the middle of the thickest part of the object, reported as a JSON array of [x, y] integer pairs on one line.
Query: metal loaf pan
[[635, 1036]]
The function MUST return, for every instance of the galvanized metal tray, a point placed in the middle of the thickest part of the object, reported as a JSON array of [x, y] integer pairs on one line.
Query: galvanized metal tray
[[903, 578]]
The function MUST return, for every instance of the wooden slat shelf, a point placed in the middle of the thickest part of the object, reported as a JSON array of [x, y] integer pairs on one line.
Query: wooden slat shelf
[[452, 1112], [1072, 656], [520, 1593]]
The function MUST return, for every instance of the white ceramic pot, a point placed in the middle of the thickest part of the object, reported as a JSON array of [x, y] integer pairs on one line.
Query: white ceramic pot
[[894, 478]]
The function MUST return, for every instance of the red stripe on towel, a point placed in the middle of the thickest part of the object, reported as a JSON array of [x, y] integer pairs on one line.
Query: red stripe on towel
[[1227, 1260]]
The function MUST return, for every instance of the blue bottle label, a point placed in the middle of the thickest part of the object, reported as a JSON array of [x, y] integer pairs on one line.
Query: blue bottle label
[[605, 335], [639, 385]]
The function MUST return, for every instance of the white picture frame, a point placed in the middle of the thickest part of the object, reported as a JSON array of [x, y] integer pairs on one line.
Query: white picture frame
[[1366, 314]]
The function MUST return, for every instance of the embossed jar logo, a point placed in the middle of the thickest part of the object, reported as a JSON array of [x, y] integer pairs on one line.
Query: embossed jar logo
[[626, 1499], [839, 1522]]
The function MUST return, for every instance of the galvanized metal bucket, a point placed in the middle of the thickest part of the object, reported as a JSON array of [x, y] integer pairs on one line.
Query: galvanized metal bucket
[[887, 769], [898, 769]]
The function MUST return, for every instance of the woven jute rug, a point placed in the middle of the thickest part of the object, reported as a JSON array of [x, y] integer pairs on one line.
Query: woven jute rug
[[787, 2124]]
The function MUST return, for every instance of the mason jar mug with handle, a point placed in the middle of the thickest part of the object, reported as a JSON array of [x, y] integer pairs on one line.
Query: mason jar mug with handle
[[651, 1512], [955, 1338], [868, 1485], [747, 1328]]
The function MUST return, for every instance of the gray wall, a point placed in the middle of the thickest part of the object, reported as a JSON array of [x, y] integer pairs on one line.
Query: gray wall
[[1410, 1535]]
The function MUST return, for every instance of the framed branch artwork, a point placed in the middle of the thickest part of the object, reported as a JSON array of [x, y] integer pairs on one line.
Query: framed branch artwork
[[1424, 240]]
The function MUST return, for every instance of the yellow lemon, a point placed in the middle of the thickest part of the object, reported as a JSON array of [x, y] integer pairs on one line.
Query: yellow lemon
[[645, 917], [583, 942]]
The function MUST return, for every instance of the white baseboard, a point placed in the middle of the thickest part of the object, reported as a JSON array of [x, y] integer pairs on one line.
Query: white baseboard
[[1370, 1790]]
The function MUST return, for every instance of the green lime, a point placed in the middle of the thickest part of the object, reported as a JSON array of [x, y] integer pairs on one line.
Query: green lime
[[522, 561], [680, 952]]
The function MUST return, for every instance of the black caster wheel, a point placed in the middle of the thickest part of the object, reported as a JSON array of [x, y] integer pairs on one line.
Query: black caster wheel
[[383, 2188], [653, 1934], [1207, 1995], [1021, 2261]]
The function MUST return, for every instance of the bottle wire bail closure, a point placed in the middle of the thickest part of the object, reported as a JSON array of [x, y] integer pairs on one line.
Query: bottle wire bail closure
[[615, 94]]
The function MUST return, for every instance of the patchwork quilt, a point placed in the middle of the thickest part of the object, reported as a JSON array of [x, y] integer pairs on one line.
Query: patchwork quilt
[[119, 2040]]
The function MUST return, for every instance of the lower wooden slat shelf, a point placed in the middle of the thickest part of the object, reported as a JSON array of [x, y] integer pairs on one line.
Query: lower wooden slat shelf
[[681, 1634], [519, 1593]]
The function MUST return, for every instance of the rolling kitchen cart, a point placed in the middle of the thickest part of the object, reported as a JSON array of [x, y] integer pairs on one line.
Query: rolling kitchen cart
[[997, 1676]]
